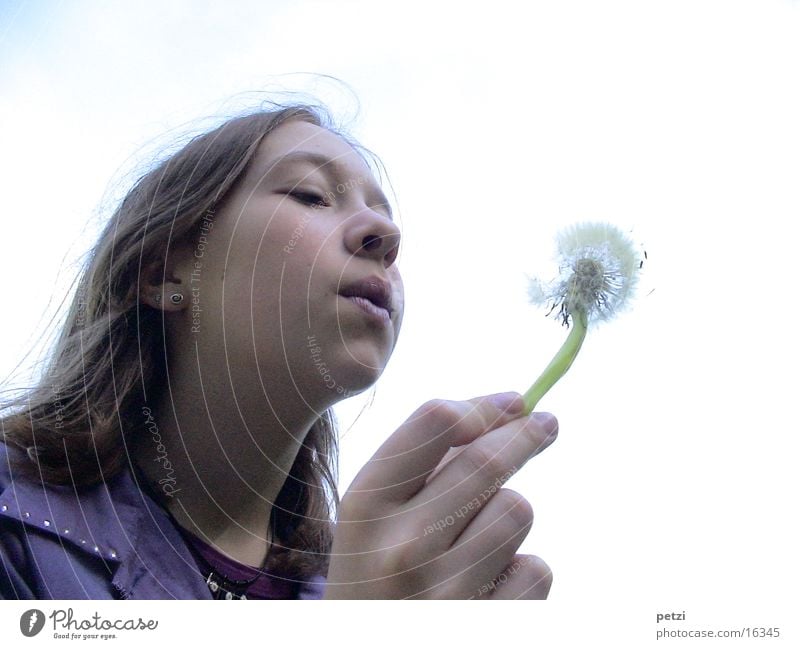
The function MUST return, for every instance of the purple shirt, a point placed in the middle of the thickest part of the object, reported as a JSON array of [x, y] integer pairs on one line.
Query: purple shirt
[[109, 541]]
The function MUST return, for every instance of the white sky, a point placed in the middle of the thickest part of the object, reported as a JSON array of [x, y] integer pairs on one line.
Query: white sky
[[674, 476]]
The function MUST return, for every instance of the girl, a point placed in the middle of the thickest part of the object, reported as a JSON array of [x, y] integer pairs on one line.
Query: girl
[[180, 442]]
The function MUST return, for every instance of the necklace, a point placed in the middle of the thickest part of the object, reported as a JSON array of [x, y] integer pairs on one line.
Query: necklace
[[222, 587]]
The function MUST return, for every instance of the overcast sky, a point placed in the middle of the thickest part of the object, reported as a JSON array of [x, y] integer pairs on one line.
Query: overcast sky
[[676, 121]]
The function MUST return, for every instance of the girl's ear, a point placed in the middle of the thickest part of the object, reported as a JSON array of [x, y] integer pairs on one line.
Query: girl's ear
[[163, 287]]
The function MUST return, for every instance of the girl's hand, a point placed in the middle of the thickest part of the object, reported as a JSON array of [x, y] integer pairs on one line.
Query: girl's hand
[[415, 524]]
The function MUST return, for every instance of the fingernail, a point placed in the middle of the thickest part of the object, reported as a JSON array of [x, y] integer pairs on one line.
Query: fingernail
[[510, 402], [548, 423]]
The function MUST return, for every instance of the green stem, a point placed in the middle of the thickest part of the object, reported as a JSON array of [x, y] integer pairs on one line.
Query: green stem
[[559, 365]]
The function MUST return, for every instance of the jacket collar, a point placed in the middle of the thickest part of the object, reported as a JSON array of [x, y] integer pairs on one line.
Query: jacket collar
[[116, 521]]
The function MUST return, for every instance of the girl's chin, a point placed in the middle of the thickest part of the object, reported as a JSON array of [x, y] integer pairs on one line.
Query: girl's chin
[[348, 380], [351, 383]]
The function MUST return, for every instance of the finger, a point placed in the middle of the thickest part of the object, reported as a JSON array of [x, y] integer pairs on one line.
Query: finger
[[526, 577], [451, 453], [480, 470], [487, 545], [402, 464]]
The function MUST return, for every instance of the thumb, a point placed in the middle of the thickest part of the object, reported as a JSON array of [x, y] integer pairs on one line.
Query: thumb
[[400, 467]]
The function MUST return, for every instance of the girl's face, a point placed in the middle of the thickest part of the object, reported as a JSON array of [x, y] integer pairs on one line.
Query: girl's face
[[295, 280]]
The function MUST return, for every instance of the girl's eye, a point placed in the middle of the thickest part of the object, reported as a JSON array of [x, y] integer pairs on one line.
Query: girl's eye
[[309, 198]]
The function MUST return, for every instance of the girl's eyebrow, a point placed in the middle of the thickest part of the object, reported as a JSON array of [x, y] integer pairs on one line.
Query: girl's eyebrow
[[325, 164]]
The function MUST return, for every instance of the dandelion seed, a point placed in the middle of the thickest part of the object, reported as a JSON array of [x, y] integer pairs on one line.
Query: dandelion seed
[[597, 275]]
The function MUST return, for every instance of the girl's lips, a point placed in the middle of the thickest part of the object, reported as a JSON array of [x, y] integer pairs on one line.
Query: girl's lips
[[375, 289], [374, 312]]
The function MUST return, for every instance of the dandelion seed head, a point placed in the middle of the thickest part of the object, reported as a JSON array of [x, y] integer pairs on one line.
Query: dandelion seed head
[[598, 270], [537, 291]]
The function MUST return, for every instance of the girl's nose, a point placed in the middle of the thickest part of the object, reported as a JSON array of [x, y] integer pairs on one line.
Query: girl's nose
[[376, 237]]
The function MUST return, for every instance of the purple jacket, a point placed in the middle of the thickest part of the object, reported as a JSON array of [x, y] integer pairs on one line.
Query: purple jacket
[[111, 541]]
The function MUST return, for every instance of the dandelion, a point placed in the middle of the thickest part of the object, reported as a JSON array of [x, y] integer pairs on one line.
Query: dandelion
[[598, 270]]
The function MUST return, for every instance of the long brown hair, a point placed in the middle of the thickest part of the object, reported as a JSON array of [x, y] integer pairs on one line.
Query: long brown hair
[[75, 425]]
